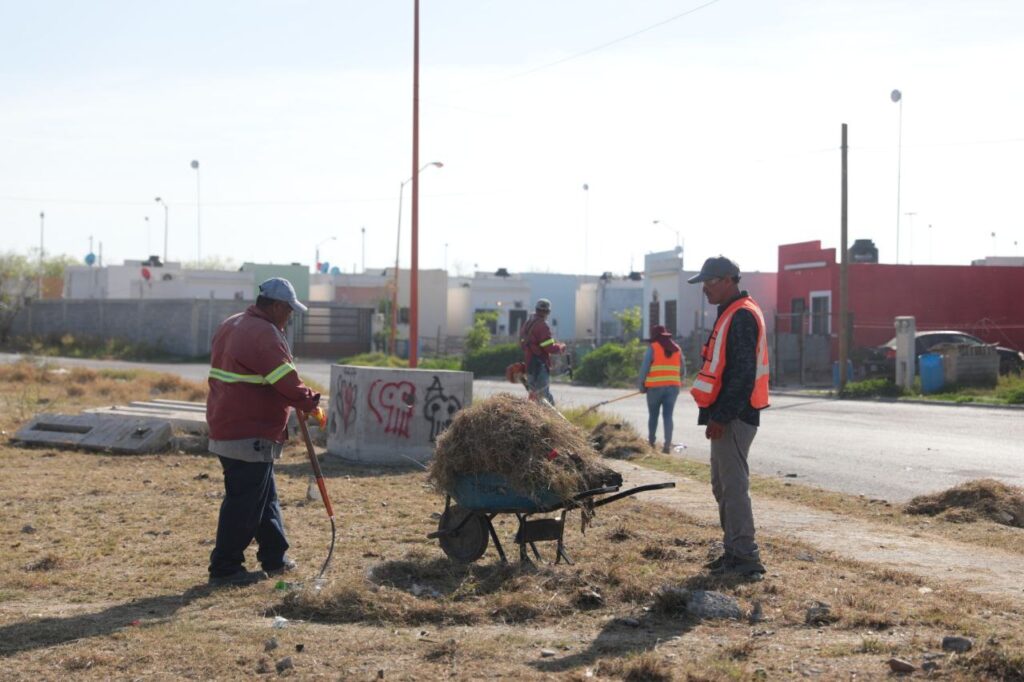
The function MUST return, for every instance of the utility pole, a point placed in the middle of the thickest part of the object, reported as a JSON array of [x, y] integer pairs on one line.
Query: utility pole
[[843, 289]]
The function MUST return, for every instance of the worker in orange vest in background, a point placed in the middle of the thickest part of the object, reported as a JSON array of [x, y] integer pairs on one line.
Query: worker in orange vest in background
[[661, 376], [731, 389]]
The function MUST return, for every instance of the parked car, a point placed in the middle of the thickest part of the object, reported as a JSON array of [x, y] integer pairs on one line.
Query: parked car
[[881, 360]]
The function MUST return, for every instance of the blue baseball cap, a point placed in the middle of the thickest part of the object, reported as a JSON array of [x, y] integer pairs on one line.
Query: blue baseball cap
[[280, 289]]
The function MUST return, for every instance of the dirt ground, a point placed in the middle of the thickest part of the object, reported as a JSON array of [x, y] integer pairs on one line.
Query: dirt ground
[[104, 564]]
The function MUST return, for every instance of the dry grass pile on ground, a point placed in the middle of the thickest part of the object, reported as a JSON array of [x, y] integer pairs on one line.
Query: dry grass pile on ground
[[619, 440], [983, 498], [530, 445]]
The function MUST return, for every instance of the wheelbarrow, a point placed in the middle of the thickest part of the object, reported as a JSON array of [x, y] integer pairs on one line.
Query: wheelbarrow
[[470, 509]]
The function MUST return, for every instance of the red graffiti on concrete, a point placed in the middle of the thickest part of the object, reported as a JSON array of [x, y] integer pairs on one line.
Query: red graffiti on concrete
[[348, 404], [392, 405]]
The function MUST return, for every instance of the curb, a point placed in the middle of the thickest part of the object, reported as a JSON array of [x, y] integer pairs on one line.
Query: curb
[[897, 401]]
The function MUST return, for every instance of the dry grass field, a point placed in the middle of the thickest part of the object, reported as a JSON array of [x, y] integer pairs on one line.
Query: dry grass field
[[104, 571]]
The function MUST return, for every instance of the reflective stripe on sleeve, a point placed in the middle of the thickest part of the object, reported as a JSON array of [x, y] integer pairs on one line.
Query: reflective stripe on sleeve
[[280, 373], [544, 344], [232, 378]]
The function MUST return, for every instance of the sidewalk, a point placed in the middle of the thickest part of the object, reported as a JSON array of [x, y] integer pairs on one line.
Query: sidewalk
[[978, 569]]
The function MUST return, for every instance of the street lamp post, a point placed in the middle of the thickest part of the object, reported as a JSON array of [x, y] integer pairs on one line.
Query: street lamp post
[[398, 245], [321, 243], [199, 250], [149, 246], [897, 97], [162, 203], [363, 230], [39, 284], [586, 225], [911, 214]]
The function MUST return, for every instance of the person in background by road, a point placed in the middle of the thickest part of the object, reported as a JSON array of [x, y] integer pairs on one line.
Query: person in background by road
[[661, 376], [731, 389], [538, 345], [253, 385]]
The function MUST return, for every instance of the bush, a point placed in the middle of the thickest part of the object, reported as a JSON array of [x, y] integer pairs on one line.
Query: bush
[[871, 388], [492, 361], [395, 362], [1013, 396], [613, 364], [450, 362]]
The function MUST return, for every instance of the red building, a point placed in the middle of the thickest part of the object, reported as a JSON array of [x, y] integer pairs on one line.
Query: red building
[[987, 301]]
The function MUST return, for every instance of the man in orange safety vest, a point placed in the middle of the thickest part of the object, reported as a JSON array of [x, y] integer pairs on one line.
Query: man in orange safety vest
[[731, 389]]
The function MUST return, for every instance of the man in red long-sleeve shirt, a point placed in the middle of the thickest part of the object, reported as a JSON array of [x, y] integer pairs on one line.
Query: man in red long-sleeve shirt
[[253, 386], [538, 345]]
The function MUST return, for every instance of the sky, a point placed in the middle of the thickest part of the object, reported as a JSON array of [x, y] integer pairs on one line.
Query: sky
[[718, 119]]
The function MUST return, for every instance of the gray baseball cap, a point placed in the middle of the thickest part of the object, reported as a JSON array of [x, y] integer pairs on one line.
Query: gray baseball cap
[[543, 305], [716, 266], [280, 289]]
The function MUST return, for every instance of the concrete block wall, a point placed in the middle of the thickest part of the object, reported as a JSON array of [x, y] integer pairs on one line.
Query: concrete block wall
[[177, 326], [391, 416]]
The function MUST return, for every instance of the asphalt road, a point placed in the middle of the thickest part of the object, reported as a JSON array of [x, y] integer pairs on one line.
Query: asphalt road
[[891, 451]]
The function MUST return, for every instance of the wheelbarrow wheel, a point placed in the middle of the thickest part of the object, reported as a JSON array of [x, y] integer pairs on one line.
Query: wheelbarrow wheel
[[469, 542]]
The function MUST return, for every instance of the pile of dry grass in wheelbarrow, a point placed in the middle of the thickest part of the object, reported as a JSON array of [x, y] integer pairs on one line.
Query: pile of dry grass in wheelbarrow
[[535, 449]]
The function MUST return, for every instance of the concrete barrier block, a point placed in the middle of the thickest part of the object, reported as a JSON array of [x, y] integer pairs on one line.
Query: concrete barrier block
[[391, 416]]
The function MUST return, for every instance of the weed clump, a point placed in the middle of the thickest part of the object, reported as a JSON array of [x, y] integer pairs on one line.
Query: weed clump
[[986, 497], [619, 440], [871, 388]]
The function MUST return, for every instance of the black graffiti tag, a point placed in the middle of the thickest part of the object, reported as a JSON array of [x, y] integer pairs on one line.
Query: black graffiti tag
[[439, 409]]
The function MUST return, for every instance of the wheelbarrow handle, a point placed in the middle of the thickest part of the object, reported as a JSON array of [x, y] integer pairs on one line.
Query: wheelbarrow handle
[[634, 491]]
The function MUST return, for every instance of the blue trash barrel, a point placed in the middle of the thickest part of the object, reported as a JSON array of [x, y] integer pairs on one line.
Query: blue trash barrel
[[835, 372], [932, 377]]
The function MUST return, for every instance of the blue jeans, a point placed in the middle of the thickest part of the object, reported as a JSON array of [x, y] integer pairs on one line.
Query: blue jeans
[[539, 378], [662, 398], [250, 510]]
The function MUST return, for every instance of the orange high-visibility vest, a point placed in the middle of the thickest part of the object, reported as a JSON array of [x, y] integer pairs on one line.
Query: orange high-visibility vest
[[708, 383], [665, 370]]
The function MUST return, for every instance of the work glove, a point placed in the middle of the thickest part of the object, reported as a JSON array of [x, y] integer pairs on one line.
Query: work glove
[[316, 400], [319, 416]]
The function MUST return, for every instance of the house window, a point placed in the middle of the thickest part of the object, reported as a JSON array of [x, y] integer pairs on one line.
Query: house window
[[670, 317], [655, 317], [821, 313], [797, 309], [403, 316], [516, 320]]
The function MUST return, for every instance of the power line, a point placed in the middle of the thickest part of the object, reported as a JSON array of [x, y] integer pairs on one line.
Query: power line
[[590, 50]]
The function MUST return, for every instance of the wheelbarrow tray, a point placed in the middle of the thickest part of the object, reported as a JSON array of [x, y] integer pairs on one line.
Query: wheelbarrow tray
[[490, 492]]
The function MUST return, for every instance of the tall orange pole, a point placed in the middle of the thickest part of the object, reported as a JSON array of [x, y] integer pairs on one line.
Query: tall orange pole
[[414, 272]]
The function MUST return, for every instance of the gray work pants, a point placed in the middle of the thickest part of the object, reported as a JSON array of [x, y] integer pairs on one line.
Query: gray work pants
[[730, 482]]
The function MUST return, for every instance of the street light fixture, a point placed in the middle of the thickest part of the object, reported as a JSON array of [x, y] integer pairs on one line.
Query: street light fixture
[[897, 97], [398, 245], [162, 203], [199, 250], [329, 239]]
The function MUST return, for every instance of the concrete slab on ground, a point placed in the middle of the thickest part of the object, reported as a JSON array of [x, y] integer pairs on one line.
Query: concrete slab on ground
[[183, 416], [131, 435]]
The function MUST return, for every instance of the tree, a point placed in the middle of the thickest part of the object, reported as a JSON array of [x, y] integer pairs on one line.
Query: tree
[[480, 335], [630, 320], [17, 280]]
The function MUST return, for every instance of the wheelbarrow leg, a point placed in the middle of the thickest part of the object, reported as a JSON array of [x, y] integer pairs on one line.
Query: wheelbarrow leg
[[560, 552], [494, 537]]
